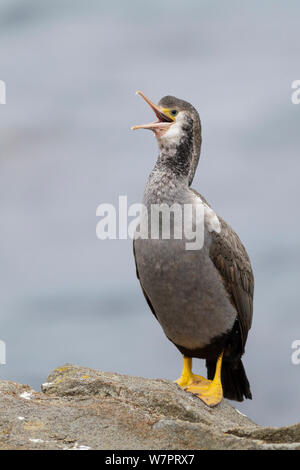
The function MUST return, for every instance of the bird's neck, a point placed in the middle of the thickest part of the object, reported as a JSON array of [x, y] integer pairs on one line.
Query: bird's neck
[[175, 157], [170, 175]]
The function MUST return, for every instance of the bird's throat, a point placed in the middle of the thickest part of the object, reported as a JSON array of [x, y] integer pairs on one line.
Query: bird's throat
[[176, 158]]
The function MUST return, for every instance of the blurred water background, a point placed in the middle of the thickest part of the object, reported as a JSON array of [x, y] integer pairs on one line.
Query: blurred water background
[[71, 70]]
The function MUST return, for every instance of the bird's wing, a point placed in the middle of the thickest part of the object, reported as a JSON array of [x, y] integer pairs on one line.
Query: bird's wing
[[232, 261], [138, 276]]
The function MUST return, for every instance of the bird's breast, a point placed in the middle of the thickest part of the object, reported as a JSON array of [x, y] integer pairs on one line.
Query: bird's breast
[[185, 290]]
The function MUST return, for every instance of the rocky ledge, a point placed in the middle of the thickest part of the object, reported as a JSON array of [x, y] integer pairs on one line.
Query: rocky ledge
[[81, 409]]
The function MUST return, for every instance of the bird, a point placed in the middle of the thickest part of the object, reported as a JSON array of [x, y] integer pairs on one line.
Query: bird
[[202, 298]]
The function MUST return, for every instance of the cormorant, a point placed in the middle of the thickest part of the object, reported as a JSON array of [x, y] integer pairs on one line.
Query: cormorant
[[202, 298]]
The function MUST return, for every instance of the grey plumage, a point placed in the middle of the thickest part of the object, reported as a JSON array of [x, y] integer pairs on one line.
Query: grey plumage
[[203, 299]]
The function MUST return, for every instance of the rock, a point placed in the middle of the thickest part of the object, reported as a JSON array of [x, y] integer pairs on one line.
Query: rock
[[81, 409]]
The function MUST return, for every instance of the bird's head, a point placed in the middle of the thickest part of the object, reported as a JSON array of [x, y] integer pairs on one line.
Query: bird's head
[[177, 122]]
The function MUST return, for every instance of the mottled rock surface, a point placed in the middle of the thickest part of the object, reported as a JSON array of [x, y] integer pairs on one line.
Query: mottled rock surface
[[81, 408]]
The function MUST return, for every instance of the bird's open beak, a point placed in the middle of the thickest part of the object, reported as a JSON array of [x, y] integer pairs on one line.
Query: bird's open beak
[[160, 126]]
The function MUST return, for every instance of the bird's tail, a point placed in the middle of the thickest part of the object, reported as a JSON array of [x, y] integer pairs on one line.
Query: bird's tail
[[234, 379]]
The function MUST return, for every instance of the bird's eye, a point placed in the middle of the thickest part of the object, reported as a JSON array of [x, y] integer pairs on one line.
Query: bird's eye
[[174, 112]]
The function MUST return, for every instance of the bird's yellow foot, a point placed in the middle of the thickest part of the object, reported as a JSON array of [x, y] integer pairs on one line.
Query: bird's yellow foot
[[209, 391], [211, 394], [187, 377]]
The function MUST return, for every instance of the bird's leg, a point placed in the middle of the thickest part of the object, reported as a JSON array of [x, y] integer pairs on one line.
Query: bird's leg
[[212, 393], [187, 377]]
